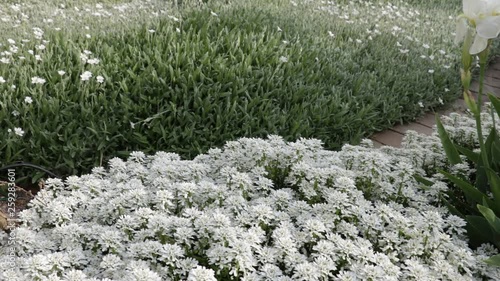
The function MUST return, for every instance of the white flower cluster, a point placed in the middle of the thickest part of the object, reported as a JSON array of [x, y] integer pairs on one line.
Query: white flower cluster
[[255, 210]]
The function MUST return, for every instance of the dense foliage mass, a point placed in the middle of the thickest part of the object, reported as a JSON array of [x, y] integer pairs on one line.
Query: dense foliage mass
[[82, 83], [257, 209]]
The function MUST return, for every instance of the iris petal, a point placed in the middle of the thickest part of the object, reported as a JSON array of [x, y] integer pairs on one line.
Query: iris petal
[[480, 43], [461, 30], [488, 27]]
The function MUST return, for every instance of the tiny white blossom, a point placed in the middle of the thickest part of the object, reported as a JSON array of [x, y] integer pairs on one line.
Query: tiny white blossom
[[426, 46], [420, 104], [213, 14], [88, 35], [85, 76], [19, 132], [2, 80], [440, 101], [283, 59], [100, 79], [93, 61], [61, 72], [12, 42], [37, 80], [28, 100], [152, 31], [431, 71]]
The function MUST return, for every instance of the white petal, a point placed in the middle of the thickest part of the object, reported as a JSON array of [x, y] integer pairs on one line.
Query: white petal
[[462, 29], [492, 6], [488, 27], [473, 8], [479, 45]]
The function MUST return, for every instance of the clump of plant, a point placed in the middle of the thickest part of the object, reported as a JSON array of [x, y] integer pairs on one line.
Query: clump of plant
[[479, 200]]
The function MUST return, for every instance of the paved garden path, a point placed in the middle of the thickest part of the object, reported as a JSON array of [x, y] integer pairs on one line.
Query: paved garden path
[[424, 124]]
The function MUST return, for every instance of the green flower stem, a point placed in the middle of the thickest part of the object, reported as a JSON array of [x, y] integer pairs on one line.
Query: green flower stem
[[482, 69]]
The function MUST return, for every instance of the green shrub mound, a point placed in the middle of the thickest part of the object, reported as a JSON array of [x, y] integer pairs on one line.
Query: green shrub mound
[[189, 80]]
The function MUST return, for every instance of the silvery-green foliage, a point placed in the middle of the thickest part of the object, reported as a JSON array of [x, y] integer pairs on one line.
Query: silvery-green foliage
[[256, 209]]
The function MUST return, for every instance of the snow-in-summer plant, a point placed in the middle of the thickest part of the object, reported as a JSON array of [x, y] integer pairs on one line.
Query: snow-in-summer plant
[[480, 206], [254, 210]]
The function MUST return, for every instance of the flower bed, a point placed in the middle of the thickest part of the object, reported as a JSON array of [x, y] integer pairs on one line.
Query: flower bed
[[257, 209]]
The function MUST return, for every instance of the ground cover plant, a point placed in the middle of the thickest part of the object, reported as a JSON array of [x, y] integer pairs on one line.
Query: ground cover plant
[[257, 209], [83, 82]]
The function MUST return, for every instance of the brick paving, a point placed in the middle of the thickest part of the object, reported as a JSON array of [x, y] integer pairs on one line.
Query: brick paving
[[424, 124]]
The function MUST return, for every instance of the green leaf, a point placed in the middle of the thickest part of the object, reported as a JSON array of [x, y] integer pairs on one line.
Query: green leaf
[[490, 217], [481, 177], [452, 208], [449, 147], [423, 180], [495, 102], [488, 144], [494, 260], [469, 190], [472, 156], [494, 181], [480, 230], [495, 154]]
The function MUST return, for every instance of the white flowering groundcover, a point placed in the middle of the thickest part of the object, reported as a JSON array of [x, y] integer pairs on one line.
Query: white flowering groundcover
[[258, 209]]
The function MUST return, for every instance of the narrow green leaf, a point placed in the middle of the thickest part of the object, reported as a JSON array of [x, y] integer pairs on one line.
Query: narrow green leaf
[[494, 260], [469, 190], [452, 209], [481, 229], [490, 217], [449, 147], [495, 102], [423, 180], [481, 177], [494, 181], [472, 156]]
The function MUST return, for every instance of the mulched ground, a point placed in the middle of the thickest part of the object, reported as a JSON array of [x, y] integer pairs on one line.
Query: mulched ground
[[22, 198]]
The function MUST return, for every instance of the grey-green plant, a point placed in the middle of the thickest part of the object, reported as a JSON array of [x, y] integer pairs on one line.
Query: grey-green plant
[[190, 79]]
